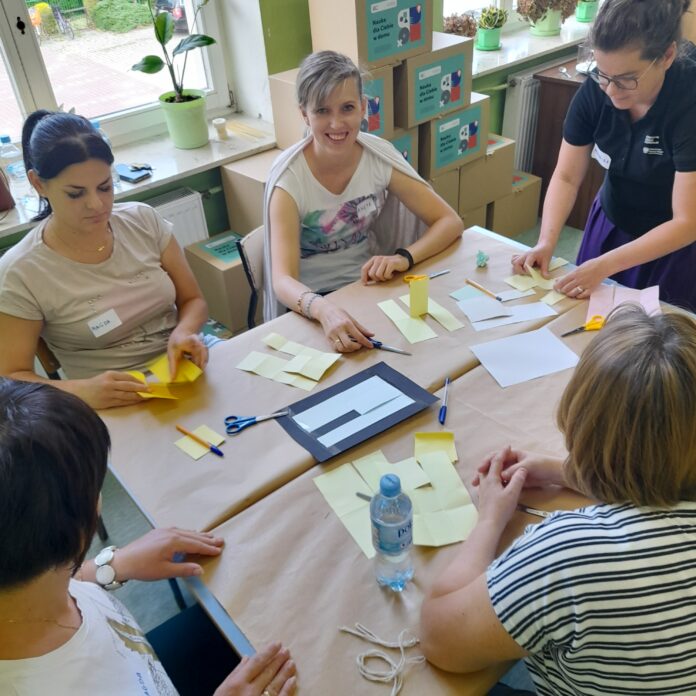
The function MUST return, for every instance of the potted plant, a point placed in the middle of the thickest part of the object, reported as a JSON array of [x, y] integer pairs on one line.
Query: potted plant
[[184, 109], [490, 24], [546, 16], [460, 24], [586, 10]]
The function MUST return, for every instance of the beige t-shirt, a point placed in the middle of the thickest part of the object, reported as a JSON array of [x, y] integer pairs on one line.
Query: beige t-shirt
[[113, 315]]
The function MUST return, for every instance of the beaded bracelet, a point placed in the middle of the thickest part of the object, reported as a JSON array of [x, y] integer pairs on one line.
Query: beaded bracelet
[[308, 313], [299, 301]]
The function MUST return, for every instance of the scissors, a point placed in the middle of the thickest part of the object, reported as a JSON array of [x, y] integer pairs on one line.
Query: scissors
[[235, 424], [408, 278], [594, 324]]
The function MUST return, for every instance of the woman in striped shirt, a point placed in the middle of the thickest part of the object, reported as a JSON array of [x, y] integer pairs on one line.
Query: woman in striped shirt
[[600, 600]]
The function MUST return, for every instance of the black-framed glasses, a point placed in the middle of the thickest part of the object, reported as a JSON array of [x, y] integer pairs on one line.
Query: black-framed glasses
[[626, 83]]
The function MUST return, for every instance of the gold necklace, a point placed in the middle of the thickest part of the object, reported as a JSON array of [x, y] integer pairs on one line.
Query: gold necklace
[[87, 251]]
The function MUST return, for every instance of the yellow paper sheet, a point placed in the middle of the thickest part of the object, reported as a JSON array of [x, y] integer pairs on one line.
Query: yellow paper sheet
[[552, 297], [359, 527], [444, 526], [375, 465], [539, 280], [312, 366], [434, 442], [271, 367], [339, 487], [414, 329], [282, 344], [192, 448], [441, 471], [439, 313], [521, 282], [370, 467], [156, 391], [418, 296], [558, 262], [425, 499], [186, 371]]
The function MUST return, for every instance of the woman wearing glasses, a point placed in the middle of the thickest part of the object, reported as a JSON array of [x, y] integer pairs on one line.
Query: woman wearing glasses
[[636, 117]]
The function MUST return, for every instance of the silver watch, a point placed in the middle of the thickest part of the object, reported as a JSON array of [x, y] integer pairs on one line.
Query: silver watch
[[106, 575]]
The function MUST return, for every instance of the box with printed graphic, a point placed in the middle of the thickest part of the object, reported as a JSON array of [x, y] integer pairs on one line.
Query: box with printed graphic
[[518, 211], [406, 142], [435, 83], [378, 88], [455, 139], [447, 187], [488, 178], [372, 33]]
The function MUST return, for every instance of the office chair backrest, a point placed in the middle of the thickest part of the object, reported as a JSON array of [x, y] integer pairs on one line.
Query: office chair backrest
[[251, 253]]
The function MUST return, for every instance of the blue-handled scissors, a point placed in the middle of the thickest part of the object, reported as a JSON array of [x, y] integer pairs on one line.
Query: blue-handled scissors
[[235, 424]]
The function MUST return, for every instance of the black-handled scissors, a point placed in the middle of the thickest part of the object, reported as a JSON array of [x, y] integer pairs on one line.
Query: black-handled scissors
[[235, 424]]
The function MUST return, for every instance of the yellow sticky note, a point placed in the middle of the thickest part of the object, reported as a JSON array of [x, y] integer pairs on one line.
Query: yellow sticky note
[[558, 262], [311, 365], [539, 280], [434, 442], [414, 329], [418, 296], [359, 527], [264, 365], [275, 340], [521, 282], [440, 471], [425, 499], [439, 313], [410, 474], [443, 527], [552, 297], [195, 450], [372, 467], [186, 370], [339, 487]]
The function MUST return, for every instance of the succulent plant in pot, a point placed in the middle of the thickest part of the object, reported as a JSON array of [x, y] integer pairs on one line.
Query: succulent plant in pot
[[546, 16], [490, 25], [184, 109]]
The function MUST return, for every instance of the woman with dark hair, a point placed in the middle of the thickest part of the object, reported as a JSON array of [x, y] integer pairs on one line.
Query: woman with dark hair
[[635, 116], [60, 631], [107, 286]]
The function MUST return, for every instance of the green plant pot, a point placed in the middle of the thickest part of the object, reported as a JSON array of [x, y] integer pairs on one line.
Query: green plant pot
[[548, 25], [488, 39], [186, 122], [586, 11]]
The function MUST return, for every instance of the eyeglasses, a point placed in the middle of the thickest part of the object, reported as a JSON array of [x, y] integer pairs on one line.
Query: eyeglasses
[[627, 83]]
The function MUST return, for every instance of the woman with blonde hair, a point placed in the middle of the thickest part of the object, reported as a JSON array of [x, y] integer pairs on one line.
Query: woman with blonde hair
[[600, 600]]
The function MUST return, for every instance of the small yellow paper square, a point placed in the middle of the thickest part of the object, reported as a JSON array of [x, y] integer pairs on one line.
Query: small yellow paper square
[[434, 442], [418, 296], [192, 448]]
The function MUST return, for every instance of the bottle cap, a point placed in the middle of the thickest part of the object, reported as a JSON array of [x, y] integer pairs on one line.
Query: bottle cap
[[4, 139], [390, 485]]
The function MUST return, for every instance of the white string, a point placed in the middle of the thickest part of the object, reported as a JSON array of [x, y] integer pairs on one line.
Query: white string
[[394, 672]]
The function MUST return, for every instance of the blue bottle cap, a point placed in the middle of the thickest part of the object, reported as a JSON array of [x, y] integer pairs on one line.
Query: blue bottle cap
[[390, 485], [5, 139]]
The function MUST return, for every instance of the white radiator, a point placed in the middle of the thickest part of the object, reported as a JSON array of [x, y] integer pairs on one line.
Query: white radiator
[[521, 110], [184, 209]]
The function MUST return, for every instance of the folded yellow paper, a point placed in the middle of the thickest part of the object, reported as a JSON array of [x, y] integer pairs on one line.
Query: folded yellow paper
[[418, 295], [414, 329]]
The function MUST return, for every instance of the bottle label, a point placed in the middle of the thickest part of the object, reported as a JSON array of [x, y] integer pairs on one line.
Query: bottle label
[[392, 539]]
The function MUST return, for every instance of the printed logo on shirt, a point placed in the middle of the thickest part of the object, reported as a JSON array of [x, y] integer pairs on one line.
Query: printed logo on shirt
[[651, 145], [601, 157]]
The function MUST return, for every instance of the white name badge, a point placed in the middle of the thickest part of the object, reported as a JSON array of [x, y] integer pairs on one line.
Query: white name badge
[[602, 157], [366, 207], [104, 323]]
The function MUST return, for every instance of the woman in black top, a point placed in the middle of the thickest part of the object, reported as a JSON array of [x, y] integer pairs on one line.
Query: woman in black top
[[637, 118]]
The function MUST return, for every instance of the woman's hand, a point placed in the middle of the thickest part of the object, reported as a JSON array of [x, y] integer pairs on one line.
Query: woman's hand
[[539, 256], [270, 671], [541, 470], [183, 344], [110, 389], [155, 555], [380, 268], [580, 282], [497, 499], [343, 332]]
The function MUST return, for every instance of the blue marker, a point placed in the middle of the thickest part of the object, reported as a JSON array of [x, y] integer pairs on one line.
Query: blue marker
[[443, 409]]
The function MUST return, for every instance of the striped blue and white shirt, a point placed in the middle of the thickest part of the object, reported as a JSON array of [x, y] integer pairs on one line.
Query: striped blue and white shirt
[[604, 600]]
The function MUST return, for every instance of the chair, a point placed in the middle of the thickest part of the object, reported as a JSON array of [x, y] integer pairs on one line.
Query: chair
[[250, 248], [51, 365]]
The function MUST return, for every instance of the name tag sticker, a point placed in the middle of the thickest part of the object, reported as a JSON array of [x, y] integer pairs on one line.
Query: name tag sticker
[[602, 157], [104, 323], [366, 207]]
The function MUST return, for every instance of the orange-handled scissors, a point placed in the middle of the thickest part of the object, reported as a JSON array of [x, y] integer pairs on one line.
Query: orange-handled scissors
[[436, 274], [594, 324], [411, 277]]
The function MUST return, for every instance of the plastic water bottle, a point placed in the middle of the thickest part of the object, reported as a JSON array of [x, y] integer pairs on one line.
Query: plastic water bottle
[[11, 158], [115, 177], [391, 513]]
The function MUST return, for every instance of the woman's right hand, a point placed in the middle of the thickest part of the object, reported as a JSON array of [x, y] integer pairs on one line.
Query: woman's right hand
[[110, 389], [343, 332], [541, 470], [270, 671], [539, 256]]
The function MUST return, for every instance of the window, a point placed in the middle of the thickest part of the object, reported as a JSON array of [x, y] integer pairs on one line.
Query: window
[[63, 59]]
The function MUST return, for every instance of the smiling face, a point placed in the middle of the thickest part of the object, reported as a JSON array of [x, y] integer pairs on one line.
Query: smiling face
[[627, 65], [81, 196], [335, 123]]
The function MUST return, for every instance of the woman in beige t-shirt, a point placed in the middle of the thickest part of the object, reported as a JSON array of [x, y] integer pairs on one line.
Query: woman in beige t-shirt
[[106, 285]]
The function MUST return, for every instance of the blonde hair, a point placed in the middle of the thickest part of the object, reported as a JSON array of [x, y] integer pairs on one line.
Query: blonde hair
[[320, 73], [629, 411]]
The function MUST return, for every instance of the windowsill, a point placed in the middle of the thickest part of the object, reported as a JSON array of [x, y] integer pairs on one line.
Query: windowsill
[[168, 164], [520, 46]]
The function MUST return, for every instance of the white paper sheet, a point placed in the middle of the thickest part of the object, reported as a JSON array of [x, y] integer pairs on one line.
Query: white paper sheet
[[480, 308], [524, 357], [507, 295], [518, 313]]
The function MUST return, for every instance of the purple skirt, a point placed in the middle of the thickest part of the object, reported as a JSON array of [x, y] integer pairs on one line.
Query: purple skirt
[[675, 273]]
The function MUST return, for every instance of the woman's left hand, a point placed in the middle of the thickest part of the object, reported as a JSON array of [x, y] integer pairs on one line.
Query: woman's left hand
[[185, 344], [154, 556], [380, 268], [497, 500], [580, 283]]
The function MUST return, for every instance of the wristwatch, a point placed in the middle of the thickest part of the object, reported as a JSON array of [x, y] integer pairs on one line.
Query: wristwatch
[[106, 575]]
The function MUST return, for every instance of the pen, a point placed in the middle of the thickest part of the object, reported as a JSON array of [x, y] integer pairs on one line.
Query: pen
[[200, 440], [533, 511], [443, 409], [437, 274], [474, 284], [363, 496]]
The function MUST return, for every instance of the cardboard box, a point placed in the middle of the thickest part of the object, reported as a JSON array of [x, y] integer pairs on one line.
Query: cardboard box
[[518, 211], [378, 88], [435, 83], [475, 217], [454, 140], [447, 186], [244, 182], [488, 178], [406, 142], [218, 269], [372, 33]]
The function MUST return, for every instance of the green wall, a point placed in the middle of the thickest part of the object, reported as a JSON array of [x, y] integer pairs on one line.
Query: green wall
[[286, 33]]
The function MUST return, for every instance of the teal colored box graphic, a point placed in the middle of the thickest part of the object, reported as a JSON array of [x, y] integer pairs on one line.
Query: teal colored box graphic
[[457, 139], [223, 248], [394, 27], [438, 87], [405, 146], [374, 118]]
